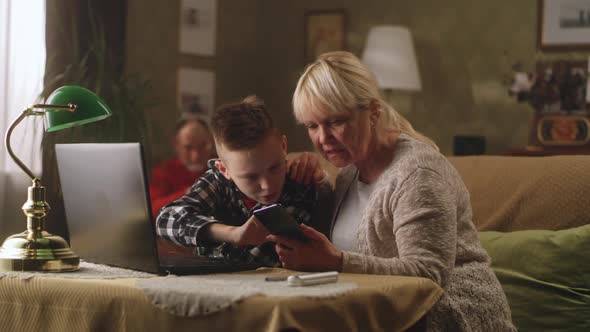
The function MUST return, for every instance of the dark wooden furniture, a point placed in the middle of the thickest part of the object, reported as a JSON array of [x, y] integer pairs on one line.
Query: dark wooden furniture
[[547, 151]]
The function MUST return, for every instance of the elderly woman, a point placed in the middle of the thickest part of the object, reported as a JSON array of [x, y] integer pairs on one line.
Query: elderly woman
[[401, 208]]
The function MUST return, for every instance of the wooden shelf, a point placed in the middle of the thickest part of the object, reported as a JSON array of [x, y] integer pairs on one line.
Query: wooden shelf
[[547, 151]]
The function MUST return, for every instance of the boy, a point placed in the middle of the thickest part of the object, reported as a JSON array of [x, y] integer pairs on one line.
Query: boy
[[216, 215]]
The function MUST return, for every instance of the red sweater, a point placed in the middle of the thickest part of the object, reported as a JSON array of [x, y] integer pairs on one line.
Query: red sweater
[[170, 181]]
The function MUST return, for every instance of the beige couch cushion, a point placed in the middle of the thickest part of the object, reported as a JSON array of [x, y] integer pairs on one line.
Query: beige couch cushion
[[518, 193]]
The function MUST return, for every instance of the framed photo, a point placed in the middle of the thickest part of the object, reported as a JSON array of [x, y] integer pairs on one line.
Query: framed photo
[[563, 130], [198, 26], [196, 88], [563, 25], [561, 86], [325, 31]]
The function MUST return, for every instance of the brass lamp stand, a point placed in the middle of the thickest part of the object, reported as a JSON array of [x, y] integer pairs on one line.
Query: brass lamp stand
[[35, 249]]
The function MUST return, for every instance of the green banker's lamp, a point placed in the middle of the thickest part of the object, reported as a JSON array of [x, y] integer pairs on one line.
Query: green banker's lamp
[[35, 249]]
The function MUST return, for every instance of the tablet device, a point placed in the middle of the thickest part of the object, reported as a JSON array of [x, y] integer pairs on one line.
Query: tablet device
[[278, 222]]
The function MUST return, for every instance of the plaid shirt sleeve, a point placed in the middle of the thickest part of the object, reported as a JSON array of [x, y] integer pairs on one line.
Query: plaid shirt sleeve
[[181, 220]]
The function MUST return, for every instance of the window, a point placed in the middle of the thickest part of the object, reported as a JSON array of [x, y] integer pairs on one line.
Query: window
[[22, 66]]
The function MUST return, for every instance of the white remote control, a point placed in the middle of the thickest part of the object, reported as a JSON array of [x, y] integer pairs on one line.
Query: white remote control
[[313, 279]]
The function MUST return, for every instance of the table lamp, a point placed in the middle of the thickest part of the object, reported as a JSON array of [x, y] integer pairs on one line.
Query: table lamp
[[389, 54], [35, 249]]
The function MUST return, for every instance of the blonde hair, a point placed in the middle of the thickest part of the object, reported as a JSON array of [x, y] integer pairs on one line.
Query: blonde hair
[[337, 82]]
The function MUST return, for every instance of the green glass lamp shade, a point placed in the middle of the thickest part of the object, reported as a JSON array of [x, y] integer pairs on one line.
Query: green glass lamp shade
[[90, 108]]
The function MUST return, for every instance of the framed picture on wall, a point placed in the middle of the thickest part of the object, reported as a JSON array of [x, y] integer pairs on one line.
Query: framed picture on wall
[[196, 92], [198, 26], [563, 25], [325, 31], [560, 86], [563, 130]]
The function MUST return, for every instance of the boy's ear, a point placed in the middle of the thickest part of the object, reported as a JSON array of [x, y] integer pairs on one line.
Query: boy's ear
[[221, 167]]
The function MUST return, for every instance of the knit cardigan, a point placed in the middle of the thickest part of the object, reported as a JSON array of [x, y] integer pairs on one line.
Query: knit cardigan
[[418, 222]]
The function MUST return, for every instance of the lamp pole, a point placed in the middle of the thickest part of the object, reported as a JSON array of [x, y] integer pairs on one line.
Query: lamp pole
[[31, 111]]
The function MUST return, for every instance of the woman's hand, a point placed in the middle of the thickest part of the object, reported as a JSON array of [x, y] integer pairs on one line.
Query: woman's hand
[[305, 168], [317, 254], [252, 232]]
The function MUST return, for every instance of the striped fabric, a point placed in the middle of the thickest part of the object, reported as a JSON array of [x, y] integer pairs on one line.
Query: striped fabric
[[381, 303]]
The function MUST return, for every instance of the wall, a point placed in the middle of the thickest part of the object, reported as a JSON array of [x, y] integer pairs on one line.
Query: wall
[[152, 49], [465, 51]]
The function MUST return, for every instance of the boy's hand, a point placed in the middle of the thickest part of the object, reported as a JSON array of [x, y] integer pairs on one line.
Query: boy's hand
[[317, 254], [252, 232], [305, 168]]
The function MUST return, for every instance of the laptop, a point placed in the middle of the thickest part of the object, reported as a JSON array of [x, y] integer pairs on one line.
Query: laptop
[[107, 207]]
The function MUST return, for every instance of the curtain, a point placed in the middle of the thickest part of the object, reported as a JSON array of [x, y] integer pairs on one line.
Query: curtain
[[22, 67], [69, 38]]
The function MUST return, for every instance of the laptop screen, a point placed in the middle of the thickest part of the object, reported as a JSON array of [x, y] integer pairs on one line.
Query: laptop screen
[[108, 211], [107, 204]]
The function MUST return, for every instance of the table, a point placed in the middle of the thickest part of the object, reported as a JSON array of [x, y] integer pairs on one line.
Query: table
[[384, 303]]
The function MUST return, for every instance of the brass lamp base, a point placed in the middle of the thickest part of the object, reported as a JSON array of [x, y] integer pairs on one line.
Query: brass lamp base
[[35, 249], [48, 253]]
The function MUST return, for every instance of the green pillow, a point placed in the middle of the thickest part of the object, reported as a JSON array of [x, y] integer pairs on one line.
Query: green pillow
[[545, 275]]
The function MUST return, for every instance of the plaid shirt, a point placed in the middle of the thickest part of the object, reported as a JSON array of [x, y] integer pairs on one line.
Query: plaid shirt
[[215, 199]]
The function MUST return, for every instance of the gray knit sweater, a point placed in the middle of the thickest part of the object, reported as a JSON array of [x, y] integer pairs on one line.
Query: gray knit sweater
[[417, 222]]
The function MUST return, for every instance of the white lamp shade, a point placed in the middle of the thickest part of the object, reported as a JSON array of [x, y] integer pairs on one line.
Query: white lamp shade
[[390, 55]]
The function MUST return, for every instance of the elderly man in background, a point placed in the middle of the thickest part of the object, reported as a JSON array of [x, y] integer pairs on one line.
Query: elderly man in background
[[172, 178]]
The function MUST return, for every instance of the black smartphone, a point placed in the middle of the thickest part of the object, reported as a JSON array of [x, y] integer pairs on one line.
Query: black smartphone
[[278, 222]]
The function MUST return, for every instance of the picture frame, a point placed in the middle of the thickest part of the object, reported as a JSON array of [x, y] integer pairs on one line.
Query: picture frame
[[560, 86], [325, 31], [563, 25], [563, 130], [196, 92], [198, 27]]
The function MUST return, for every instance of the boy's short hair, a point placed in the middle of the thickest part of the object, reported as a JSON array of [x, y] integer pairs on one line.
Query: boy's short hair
[[242, 125]]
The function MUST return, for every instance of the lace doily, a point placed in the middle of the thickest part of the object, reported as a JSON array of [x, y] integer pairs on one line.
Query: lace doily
[[202, 295]]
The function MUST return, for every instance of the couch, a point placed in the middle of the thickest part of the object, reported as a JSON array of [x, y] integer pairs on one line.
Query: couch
[[533, 217]]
